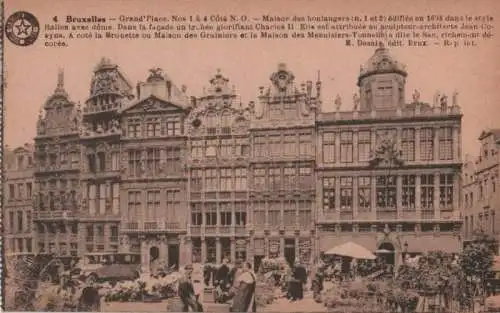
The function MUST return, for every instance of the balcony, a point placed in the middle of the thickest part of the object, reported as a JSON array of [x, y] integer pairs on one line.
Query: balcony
[[240, 230], [210, 230], [151, 226], [387, 214], [225, 229], [54, 215]]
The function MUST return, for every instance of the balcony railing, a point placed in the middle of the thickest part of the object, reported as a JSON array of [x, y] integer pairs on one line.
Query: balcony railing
[[51, 215], [152, 226]]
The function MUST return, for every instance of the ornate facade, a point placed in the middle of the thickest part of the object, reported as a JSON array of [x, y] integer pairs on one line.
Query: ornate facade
[[18, 200], [57, 174], [481, 199], [199, 179], [388, 174], [218, 142]]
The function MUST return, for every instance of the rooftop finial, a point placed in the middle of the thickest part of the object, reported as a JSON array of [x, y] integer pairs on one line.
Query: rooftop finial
[[60, 79]]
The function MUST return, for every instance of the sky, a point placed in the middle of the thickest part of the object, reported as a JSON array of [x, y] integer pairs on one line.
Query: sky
[[31, 72]]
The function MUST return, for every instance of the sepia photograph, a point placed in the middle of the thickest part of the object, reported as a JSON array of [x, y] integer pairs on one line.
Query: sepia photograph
[[228, 156]]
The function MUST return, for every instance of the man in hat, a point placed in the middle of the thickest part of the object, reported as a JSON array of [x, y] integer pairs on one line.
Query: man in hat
[[186, 292]]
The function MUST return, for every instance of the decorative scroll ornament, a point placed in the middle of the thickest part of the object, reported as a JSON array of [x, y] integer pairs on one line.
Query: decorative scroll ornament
[[416, 96], [282, 78], [338, 102]]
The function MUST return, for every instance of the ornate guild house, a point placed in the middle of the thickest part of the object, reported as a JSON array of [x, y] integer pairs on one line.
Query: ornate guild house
[[146, 169]]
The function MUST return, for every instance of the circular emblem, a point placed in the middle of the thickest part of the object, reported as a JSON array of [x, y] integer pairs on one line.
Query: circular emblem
[[22, 28]]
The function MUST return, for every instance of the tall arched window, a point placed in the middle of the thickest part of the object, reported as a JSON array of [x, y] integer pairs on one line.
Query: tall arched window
[[211, 123], [226, 121]]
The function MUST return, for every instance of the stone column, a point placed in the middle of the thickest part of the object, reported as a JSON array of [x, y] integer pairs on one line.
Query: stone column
[[163, 248], [355, 203], [250, 249], [418, 196], [337, 147], [144, 254], [399, 196], [233, 249], [436, 143], [374, 196], [437, 209], [218, 253], [417, 144], [355, 146], [319, 149], [186, 251], [203, 250], [456, 191], [282, 247], [297, 252], [266, 246], [456, 143]]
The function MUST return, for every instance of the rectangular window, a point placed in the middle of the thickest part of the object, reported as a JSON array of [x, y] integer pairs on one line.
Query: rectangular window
[[196, 149], [346, 193], [116, 198], [226, 182], [427, 191], [305, 214], [329, 194], [196, 180], [134, 128], [173, 127], [134, 204], [329, 147], [445, 143], [241, 180], [12, 191], [225, 218], [274, 178], [240, 218], [306, 179], [346, 147], [174, 165], [289, 178], [153, 127], [226, 148], [260, 147], [153, 161], [364, 194], [101, 160], [408, 144], [20, 220], [290, 145], [386, 192], [20, 191], [173, 202], [91, 160], [427, 144], [210, 214], [241, 148], [274, 214], [211, 123], [211, 148], [134, 162], [153, 204], [115, 161], [259, 178], [446, 191], [275, 145], [211, 179], [196, 218], [289, 213], [408, 196], [259, 213], [305, 144], [364, 145]]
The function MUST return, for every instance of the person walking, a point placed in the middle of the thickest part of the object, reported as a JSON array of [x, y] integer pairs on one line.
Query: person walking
[[186, 292]]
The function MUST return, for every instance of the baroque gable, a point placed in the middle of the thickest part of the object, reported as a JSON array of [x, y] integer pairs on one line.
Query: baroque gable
[[218, 109], [284, 100], [152, 104]]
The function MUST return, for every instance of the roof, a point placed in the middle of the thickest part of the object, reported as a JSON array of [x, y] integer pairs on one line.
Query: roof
[[495, 132]]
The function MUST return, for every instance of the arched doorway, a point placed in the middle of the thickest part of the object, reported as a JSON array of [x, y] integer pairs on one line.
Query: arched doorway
[[154, 253], [386, 252]]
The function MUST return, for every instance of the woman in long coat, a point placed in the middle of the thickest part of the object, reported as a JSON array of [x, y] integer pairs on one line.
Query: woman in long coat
[[243, 291]]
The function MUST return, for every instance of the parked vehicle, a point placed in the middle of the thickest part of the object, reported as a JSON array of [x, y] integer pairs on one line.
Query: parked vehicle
[[109, 267]]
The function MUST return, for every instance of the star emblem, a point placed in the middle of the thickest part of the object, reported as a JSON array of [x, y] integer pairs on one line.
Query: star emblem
[[23, 27]]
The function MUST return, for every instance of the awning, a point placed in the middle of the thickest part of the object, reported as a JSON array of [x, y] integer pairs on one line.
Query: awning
[[350, 249]]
